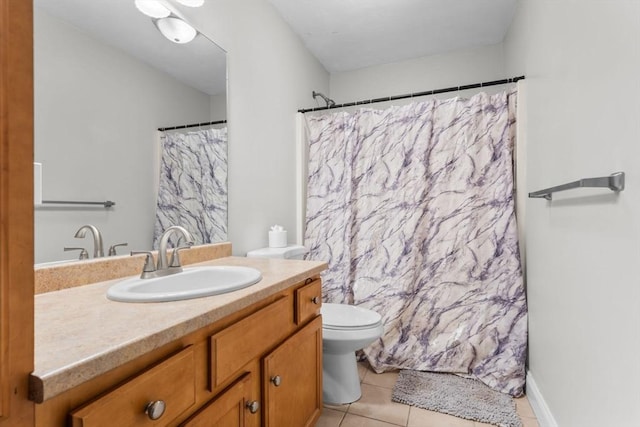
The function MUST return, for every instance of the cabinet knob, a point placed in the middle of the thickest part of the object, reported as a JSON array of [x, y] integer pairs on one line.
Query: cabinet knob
[[253, 406], [276, 380], [155, 409], [315, 300]]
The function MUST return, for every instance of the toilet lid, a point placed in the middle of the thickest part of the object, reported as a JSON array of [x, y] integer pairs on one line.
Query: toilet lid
[[343, 316]]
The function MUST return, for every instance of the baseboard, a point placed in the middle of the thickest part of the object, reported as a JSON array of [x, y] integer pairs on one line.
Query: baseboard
[[538, 404]]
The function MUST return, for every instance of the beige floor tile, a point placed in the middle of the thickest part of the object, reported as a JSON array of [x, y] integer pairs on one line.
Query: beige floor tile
[[376, 403], [351, 420], [363, 368], [529, 422], [477, 424], [330, 418], [341, 408], [386, 380], [419, 417], [523, 407]]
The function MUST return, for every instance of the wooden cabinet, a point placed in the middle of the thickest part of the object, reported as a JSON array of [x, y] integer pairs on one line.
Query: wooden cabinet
[[233, 347], [155, 397], [308, 299], [232, 408], [221, 375], [292, 379]]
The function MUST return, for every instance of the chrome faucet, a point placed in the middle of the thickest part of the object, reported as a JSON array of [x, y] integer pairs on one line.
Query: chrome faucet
[[98, 248], [162, 248]]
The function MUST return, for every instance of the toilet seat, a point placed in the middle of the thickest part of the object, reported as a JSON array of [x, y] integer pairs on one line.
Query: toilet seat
[[348, 317]]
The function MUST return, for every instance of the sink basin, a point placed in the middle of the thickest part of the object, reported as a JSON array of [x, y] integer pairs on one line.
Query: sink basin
[[195, 282]]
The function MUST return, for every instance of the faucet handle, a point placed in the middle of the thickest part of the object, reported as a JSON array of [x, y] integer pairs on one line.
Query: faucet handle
[[175, 255], [112, 248], [149, 267], [83, 252]]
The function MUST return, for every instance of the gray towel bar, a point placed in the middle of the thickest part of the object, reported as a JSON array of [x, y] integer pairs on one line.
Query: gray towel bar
[[106, 204], [614, 182]]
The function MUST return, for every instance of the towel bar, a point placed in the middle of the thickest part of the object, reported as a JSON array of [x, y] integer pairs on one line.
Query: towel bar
[[614, 182], [106, 204]]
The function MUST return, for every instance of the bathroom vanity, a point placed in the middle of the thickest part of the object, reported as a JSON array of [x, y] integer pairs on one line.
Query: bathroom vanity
[[252, 357]]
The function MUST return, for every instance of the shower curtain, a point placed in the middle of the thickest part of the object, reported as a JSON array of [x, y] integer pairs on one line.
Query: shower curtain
[[413, 208], [192, 190]]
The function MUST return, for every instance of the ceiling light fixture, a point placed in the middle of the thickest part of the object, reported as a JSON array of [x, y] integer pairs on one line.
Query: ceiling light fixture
[[171, 26], [175, 29], [191, 3], [152, 8]]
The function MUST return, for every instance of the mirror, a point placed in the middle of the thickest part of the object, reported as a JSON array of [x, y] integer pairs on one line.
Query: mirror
[[105, 81]]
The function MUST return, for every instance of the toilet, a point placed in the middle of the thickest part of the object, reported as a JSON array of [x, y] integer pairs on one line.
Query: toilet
[[345, 329]]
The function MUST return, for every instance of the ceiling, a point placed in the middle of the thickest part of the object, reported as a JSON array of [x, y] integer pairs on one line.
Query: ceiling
[[347, 34], [200, 64], [343, 34]]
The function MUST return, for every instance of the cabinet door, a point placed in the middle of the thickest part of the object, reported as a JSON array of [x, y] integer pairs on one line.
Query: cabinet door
[[292, 379], [232, 408]]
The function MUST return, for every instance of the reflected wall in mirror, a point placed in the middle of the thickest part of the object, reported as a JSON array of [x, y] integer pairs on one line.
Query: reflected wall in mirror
[[105, 81]]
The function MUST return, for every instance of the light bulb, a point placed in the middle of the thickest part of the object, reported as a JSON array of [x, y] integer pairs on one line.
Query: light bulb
[[152, 8], [176, 30], [191, 3]]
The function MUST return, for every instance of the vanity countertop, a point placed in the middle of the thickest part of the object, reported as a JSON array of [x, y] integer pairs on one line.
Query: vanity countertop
[[80, 334]]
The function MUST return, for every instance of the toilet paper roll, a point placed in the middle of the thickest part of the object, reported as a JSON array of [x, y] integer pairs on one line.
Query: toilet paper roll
[[278, 239]]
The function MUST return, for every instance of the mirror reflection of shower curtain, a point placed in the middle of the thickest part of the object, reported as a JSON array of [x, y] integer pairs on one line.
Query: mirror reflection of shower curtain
[[192, 190], [413, 209]]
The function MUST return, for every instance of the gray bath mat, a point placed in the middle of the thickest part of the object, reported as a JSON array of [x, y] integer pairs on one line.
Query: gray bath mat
[[454, 395]]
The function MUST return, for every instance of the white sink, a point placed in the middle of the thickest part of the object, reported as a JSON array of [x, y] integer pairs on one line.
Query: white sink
[[193, 282]]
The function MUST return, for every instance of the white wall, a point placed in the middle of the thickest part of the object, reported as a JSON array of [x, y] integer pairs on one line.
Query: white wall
[[582, 62], [218, 106], [271, 75], [456, 68], [96, 115]]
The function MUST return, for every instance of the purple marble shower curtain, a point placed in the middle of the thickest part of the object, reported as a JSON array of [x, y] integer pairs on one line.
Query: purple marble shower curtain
[[413, 208], [192, 190]]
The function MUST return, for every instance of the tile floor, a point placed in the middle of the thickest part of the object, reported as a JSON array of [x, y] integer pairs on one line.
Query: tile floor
[[375, 408]]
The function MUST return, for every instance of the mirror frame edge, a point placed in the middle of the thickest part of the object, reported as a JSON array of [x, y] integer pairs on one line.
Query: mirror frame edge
[[16, 212]]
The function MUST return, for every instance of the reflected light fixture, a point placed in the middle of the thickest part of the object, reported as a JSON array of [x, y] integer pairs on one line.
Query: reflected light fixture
[[175, 29], [171, 26], [152, 8]]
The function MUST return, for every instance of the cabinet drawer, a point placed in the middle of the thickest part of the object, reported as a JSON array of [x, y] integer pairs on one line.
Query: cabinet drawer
[[308, 301], [172, 382], [233, 347]]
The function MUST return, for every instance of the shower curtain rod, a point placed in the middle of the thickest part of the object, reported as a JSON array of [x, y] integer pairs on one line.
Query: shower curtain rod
[[195, 125], [417, 94]]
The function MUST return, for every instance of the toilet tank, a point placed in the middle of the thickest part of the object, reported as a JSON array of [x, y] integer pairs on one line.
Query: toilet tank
[[288, 252]]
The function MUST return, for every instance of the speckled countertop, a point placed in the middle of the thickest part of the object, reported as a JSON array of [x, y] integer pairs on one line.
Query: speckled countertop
[[80, 334]]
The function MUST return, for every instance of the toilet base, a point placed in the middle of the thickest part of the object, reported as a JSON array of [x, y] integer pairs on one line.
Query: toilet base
[[341, 383]]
